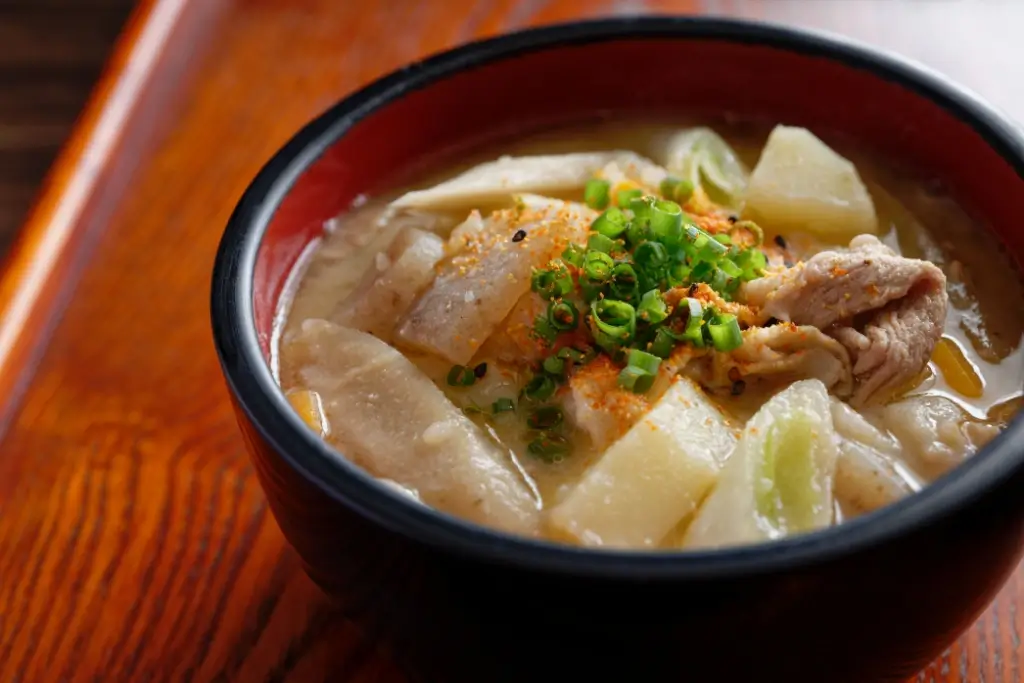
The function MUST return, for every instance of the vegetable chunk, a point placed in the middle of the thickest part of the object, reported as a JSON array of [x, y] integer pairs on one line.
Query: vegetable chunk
[[478, 287], [651, 478], [778, 481], [497, 181], [388, 416], [800, 183]]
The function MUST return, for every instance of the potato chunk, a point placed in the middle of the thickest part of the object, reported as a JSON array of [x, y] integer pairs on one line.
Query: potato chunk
[[391, 419], [800, 183], [651, 478], [478, 287]]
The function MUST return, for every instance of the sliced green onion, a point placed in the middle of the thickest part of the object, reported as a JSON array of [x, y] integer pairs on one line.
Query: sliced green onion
[[611, 223], [503, 405], [652, 308], [752, 262], [711, 249], [663, 343], [683, 192], [643, 360], [603, 243], [753, 228], [635, 379], [624, 197], [666, 220], [550, 448], [461, 376], [539, 388], [725, 332], [623, 282], [613, 324], [551, 282], [553, 365], [694, 320], [543, 329], [651, 255], [597, 267], [723, 239], [573, 255], [668, 187], [730, 268], [570, 354], [563, 315], [596, 193], [545, 417], [678, 275]]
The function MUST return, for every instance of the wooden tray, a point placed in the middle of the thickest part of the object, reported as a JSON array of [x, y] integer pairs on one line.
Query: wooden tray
[[135, 544]]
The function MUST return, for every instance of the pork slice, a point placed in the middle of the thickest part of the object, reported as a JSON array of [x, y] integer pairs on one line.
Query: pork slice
[[787, 350], [887, 310]]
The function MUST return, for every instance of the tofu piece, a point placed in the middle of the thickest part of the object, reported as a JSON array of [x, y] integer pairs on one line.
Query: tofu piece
[[778, 481], [477, 288], [392, 283], [651, 478], [801, 183], [388, 416]]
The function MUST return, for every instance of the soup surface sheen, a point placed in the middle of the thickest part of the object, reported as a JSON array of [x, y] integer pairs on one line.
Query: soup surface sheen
[[548, 345]]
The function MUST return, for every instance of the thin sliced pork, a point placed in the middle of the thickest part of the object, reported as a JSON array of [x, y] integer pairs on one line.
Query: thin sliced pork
[[887, 310]]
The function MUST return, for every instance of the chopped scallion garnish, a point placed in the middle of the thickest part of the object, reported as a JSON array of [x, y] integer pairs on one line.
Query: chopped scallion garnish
[[553, 365], [725, 332], [563, 315], [652, 308], [551, 282], [611, 223], [603, 243], [461, 376], [503, 405], [550, 448], [545, 417], [613, 324], [539, 388], [624, 281], [596, 193], [573, 255], [635, 379], [624, 197]]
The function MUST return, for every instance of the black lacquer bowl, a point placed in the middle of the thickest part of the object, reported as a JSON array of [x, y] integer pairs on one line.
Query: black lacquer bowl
[[872, 600]]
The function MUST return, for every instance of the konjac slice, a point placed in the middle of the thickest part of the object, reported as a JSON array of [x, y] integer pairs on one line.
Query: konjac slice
[[389, 417], [651, 478], [778, 481], [477, 288]]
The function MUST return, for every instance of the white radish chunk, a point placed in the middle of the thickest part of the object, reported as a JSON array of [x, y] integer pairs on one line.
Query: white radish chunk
[[651, 478]]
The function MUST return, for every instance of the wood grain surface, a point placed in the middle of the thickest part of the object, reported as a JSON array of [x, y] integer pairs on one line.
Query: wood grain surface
[[135, 544], [51, 52]]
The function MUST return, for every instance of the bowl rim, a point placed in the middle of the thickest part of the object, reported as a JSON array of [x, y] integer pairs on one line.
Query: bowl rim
[[260, 398]]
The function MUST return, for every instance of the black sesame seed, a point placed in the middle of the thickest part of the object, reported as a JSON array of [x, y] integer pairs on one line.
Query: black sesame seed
[[781, 241], [480, 370], [733, 218], [738, 387], [693, 290], [519, 236]]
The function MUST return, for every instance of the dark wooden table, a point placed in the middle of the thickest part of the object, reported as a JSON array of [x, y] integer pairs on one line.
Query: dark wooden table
[[135, 544], [51, 53]]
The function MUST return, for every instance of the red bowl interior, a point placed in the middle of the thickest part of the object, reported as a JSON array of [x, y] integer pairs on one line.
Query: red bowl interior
[[664, 75]]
